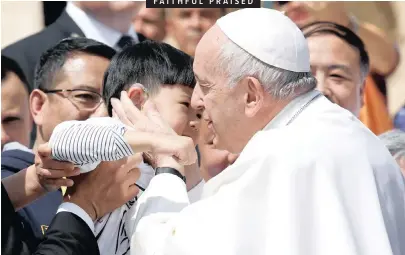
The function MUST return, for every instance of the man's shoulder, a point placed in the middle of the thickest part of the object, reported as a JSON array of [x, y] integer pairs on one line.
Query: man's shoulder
[[15, 160], [40, 40], [34, 45]]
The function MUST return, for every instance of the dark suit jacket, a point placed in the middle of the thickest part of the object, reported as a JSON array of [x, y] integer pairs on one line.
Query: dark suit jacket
[[27, 51], [37, 216], [67, 234]]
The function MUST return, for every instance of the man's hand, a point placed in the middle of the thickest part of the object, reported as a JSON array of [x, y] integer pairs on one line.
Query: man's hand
[[50, 173], [107, 187], [45, 175]]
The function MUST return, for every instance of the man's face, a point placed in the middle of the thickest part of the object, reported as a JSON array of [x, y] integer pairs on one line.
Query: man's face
[[305, 12], [16, 122], [173, 103], [336, 66], [213, 161], [81, 72], [188, 25], [298, 12], [150, 23], [111, 8], [224, 107]]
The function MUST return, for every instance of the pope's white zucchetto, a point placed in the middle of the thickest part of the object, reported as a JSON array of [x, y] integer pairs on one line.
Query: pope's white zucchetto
[[268, 35]]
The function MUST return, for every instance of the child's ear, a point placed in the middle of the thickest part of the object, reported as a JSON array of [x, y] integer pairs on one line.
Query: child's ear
[[137, 95]]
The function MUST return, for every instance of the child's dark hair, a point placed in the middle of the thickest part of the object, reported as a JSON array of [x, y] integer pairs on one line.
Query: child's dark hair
[[149, 63]]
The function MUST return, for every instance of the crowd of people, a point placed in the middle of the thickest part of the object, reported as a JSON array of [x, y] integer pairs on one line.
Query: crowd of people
[[129, 130]]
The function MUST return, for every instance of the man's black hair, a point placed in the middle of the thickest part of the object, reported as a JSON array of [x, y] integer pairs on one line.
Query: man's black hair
[[149, 63], [344, 33], [8, 65], [52, 61]]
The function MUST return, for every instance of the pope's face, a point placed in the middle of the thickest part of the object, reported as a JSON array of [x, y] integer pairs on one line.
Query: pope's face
[[223, 106], [336, 66], [213, 161]]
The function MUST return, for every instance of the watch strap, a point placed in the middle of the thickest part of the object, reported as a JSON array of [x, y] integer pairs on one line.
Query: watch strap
[[170, 170]]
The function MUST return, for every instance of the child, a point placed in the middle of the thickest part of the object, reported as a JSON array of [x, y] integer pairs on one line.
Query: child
[[168, 81]]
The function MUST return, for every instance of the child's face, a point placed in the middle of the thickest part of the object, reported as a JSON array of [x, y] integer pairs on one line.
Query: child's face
[[173, 103]]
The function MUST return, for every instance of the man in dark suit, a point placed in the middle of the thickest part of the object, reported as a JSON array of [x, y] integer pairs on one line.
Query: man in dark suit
[[106, 22], [67, 87], [72, 230]]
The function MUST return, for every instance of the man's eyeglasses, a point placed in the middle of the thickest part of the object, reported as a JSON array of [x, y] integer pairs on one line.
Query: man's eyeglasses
[[81, 98]]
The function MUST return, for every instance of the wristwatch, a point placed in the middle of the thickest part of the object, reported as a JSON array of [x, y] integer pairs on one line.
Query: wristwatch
[[169, 170]]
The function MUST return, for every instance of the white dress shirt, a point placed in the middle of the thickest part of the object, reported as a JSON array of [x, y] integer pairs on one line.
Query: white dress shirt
[[96, 30], [16, 146], [87, 144]]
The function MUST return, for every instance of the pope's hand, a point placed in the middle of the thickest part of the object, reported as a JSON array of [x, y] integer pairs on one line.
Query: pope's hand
[[50, 173], [181, 148], [130, 115], [166, 143]]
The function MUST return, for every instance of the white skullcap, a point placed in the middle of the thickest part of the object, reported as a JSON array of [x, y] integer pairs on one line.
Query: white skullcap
[[268, 35]]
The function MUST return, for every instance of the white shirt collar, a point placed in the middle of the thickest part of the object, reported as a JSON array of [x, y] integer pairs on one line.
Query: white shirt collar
[[288, 112], [16, 146], [96, 30]]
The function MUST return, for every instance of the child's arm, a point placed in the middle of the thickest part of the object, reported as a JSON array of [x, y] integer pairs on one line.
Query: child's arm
[[106, 139], [89, 142]]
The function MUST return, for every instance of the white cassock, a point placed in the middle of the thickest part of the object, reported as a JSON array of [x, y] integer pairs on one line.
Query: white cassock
[[321, 185]]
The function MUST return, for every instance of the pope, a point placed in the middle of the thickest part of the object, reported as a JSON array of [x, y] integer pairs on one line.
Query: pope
[[310, 179]]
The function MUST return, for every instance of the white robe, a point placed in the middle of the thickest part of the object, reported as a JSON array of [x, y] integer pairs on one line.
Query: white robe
[[323, 185]]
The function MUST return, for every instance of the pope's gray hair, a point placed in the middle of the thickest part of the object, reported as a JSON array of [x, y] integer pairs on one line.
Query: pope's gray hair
[[394, 140], [280, 83]]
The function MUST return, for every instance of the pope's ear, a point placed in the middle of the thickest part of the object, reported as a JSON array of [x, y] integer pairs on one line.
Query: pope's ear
[[254, 96], [137, 96]]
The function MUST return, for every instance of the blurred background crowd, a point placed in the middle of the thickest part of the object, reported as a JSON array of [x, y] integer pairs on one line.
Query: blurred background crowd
[[379, 24]]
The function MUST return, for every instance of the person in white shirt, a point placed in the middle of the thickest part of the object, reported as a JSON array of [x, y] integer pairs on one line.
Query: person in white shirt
[[107, 22], [149, 73], [310, 179]]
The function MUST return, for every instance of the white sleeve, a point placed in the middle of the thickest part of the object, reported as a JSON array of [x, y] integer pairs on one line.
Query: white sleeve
[[195, 193], [89, 142], [79, 212], [148, 221]]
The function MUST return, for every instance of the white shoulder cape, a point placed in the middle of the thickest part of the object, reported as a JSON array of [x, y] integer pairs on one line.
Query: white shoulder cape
[[323, 185]]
